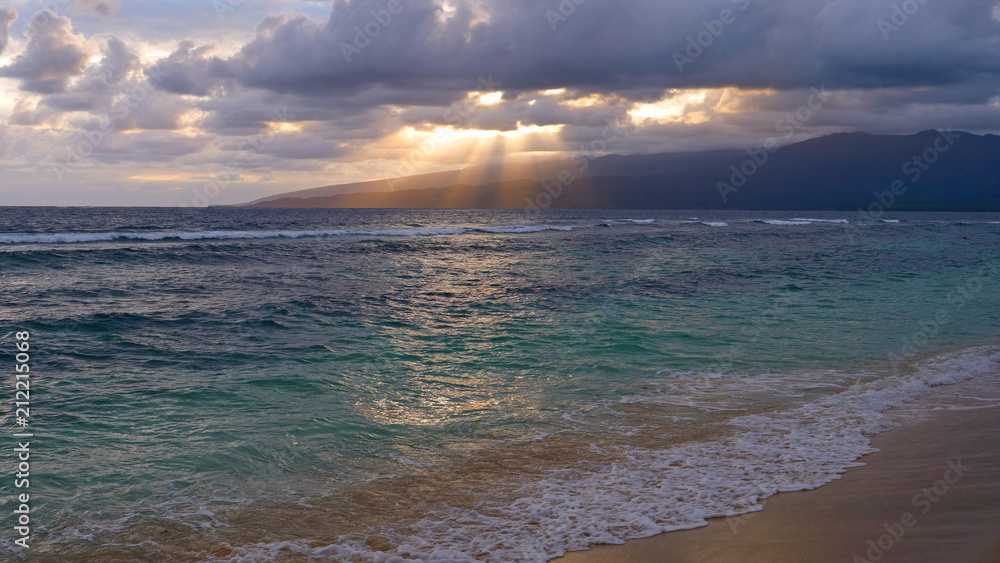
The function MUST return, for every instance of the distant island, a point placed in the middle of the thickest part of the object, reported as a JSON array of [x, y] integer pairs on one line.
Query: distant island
[[927, 171]]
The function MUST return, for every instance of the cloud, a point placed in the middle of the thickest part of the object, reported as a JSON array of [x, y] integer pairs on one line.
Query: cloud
[[53, 56], [147, 147], [191, 70], [366, 85], [614, 46], [99, 83], [7, 17]]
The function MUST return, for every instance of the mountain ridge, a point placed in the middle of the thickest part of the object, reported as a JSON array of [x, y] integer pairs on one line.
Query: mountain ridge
[[929, 170]]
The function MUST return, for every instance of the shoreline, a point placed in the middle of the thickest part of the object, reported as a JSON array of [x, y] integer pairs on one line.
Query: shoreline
[[891, 499]]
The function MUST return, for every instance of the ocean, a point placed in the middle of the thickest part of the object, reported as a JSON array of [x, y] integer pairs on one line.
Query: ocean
[[233, 384]]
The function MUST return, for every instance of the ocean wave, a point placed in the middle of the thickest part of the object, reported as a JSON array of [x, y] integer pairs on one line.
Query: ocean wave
[[800, 221], [69, 238], [890, 220], [784, 222], [640, 221], [714, 223], [840, 221], [517, 229], [651, 491]]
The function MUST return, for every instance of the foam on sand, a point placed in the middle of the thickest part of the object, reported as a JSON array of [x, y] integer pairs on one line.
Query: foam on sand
[[959, 425], [653, 490]]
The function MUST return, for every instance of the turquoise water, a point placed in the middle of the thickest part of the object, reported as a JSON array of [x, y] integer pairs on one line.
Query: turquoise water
[[210, 384]]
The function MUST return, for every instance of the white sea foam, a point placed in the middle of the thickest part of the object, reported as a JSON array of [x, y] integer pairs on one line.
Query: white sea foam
[[403, 232], [715, 223], [640, 221], [803, 221], [656, 490], [784, 222], [841, 221], [522, 229], [890, 220]]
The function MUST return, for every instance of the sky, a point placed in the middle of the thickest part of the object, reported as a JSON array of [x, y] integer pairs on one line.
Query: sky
[[206, 102]]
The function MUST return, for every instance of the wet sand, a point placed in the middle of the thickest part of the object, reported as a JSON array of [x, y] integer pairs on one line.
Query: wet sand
[[892, 495]]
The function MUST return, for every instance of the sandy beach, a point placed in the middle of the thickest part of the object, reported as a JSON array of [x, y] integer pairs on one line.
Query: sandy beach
[[931, 494]]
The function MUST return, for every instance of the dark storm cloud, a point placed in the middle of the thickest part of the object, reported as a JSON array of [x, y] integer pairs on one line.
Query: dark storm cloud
[[613, 46], [358, 117], [54, 54]]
